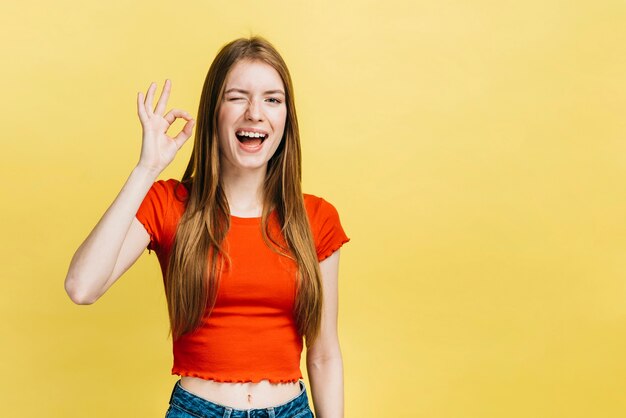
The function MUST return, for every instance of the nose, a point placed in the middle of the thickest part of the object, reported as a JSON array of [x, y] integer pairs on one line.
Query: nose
[[254, 112]]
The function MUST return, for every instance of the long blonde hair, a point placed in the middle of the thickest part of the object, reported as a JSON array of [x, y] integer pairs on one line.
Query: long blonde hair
[[191, 282]]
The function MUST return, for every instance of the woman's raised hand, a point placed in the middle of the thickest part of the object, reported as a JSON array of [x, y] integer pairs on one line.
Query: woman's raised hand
[[157, 148]]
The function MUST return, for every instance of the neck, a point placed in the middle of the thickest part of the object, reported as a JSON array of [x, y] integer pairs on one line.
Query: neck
[[244, 190]]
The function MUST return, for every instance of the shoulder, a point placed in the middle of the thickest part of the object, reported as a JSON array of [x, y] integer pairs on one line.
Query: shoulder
[[314, 204], [319, 209], [311, 201], [170, 187], [328, 233], [163, 195]]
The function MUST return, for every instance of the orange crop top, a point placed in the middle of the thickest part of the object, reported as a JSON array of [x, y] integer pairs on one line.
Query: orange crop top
[[251, 333]]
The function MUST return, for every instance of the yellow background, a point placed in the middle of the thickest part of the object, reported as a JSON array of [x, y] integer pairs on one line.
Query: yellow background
[[475, 152]]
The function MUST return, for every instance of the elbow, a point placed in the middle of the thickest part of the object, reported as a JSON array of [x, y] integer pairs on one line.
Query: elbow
[[319, 360], [77, 294], [82, 300]]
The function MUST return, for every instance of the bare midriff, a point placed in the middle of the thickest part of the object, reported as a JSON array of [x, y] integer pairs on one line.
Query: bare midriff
[[247, 395]]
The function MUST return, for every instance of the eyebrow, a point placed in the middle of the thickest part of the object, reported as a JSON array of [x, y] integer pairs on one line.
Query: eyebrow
[[246, 91]]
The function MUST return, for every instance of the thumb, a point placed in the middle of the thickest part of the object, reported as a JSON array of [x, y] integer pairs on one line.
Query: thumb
[[184, 134]]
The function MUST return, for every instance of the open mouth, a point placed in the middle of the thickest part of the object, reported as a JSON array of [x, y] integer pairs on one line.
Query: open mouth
[[251, 140]]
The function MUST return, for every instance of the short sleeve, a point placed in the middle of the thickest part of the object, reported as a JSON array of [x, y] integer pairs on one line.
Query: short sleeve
[[152, 211], [330, 233]]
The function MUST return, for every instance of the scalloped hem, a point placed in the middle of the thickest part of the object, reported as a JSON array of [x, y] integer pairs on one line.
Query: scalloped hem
[[221, 380], [332, 249]]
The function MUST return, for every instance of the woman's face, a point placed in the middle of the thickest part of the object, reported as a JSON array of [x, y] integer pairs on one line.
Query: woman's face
[[254, 101]]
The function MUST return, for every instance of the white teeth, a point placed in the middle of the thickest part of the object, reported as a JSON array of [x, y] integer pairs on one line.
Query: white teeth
[[251, 134]]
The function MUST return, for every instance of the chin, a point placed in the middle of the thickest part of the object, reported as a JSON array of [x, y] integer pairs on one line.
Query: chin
[[251, 165]]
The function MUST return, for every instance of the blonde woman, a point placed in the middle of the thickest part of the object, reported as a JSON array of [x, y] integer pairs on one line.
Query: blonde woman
[[249, 261]]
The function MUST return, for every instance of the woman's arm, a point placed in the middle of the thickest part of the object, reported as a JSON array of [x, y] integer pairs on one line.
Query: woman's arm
[[93, 265], [118, 239], [323, 359]]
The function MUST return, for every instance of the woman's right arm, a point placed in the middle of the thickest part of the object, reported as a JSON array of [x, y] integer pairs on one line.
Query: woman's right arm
[[118, 239], [114, 244]]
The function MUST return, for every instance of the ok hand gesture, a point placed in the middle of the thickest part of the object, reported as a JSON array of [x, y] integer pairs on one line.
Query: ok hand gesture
[[157, 148]]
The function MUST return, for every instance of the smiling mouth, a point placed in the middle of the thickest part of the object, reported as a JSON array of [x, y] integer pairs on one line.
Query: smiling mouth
[[251, 141]]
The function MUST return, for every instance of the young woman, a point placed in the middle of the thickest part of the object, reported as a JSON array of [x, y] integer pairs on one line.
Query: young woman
[[249, 261]]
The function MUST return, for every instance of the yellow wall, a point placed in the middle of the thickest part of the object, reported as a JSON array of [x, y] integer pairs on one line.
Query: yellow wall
[[475, 151]]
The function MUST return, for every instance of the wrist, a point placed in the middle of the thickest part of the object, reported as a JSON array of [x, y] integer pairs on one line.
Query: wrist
[[146, 172]]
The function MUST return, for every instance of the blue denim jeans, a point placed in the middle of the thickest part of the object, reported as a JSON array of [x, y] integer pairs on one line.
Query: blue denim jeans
[[184, 404]]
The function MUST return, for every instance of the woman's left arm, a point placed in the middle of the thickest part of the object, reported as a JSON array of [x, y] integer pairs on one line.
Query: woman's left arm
[[323, 359]]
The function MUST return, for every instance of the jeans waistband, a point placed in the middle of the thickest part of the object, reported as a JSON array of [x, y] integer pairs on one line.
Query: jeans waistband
[[200, 407]]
